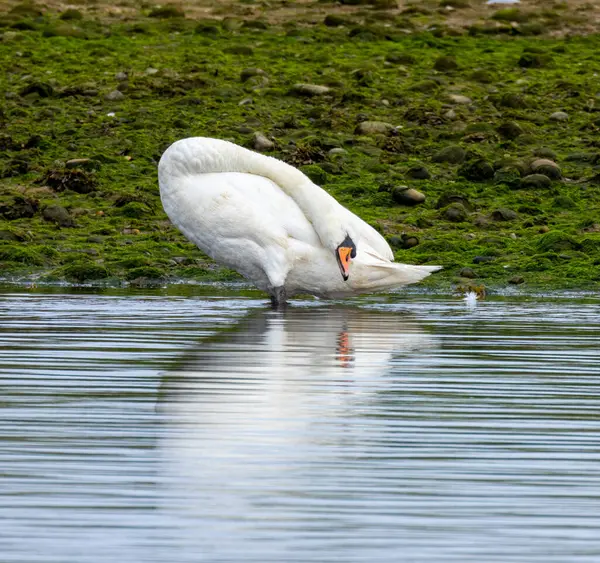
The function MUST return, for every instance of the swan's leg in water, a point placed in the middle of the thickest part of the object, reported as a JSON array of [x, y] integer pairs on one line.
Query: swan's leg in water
[[278, 297]]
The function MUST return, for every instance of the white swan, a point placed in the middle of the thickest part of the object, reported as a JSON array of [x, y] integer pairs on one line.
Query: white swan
[[267, 220]]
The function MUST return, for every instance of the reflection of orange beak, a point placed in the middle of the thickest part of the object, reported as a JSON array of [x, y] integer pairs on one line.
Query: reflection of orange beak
[[344, 260]]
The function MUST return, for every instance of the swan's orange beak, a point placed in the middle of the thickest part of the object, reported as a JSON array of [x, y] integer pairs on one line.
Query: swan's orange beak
[[343, 256]]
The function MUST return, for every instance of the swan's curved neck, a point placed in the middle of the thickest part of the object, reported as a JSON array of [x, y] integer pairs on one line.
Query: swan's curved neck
[[199, 155]]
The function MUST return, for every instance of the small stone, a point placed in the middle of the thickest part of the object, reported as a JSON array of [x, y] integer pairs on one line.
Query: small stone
[[460, 99], [467, 273], [452, 154], [516, 280], [337, 151], [407, 196], [374, 128], [410, 242], [544, 152], [455, 213], [150, 71], [450, 114], [547, 167], [418, 172], [559, 116], [543, 229], [483, 259], [310, 89], [445, 64], [246, 102], [261, 143], [114, 96], [508, 175], [121, 76], [477, 170], [59, 215], [510, 130], [535, 181], [504, 214], [250, 72], [85, 163]]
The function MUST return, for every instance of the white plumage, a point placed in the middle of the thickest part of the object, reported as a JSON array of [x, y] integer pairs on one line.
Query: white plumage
[[267, 220]]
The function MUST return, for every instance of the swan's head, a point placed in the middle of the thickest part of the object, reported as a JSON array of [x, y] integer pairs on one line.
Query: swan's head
[[344, 253]]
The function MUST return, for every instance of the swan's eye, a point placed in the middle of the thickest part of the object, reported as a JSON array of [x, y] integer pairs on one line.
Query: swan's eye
[[344, 254]]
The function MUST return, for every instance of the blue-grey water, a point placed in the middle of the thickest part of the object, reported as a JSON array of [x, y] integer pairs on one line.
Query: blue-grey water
[[163, 428]]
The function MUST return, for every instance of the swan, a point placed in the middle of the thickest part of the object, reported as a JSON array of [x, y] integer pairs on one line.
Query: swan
[[272, 224]]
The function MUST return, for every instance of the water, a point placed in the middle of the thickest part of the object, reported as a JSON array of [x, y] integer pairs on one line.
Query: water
[[165, 428]]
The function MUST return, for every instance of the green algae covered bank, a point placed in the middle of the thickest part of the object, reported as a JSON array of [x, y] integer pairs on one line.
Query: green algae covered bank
[[475, 148]]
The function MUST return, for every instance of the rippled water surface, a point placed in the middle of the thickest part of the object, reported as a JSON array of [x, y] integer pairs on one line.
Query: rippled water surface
[[163, 428]]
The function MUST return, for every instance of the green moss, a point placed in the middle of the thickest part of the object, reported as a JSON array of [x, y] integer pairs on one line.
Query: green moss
[[381, 73]]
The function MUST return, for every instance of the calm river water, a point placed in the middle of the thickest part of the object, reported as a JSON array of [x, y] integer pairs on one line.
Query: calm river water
[[163, 428]]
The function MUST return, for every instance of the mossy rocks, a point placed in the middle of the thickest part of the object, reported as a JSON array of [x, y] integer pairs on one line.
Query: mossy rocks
[[557, 241], [546, 167], [452, 154], [310, 90], [370, 128], [510, 130], [508, 176], [407, 196], [59, 215], [445, 64], [84, 271], [478, 170], [455, 212], [18, 207], [535, 181]]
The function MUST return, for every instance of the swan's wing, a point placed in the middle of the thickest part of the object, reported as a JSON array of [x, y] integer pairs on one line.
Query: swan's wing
[[369, 235]]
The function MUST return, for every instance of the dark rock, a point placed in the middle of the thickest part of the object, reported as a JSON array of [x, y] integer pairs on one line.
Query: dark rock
[[483, 259], [452, 154], [504, 214], [535, 181], [557, 241], [18, 208], [508, 175], [410, 241], [543, 152], [516, 280], [10, 236], [75, 179], [167, 11], [455, 213], [418, 172], [59, 215], [564, 202], [71, 14], [467, 273], [424, 86], [477, 170], [448, 199], [404, 241], [85, 271], [239, 50], [510, 130], [483, 76], [534, 60], [407, 196], [547, 167], [333, 20], [512, 100], [42, 89], [445, 64], [582, 157], [400, 58]]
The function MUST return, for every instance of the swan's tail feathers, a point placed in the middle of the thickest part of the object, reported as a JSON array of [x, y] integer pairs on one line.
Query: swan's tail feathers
[[384, 274]]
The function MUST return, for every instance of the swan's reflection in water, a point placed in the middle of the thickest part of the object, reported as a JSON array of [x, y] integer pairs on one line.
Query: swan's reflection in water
[[268, 425]]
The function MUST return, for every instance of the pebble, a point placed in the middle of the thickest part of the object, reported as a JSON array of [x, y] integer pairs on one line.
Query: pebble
[[121, 76], [516, 280], [450, 114], [467, 273], [407, 196], [559, 116], [547, 167], [114, 96], [452, 154], [261, 143], [374, 128], [504, 214], [250, 72], [418, 172], [150, 71], [337, 151], [460, 99], [455, 213], [310, 89], [535, 181], [59, 215]]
